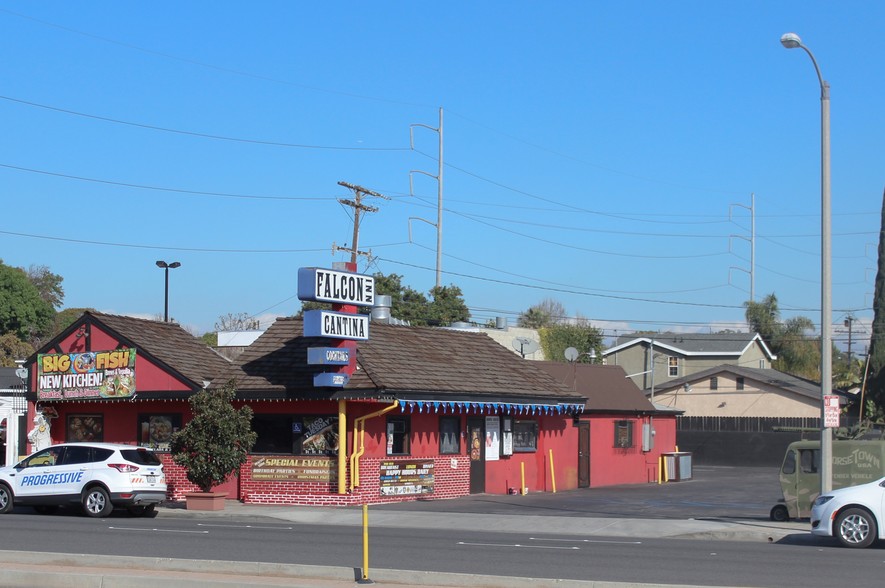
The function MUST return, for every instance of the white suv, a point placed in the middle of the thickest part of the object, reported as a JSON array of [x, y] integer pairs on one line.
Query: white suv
[[97, 476]]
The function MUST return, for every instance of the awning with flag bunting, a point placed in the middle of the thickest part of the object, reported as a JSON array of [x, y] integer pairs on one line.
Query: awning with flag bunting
[[467, 407]]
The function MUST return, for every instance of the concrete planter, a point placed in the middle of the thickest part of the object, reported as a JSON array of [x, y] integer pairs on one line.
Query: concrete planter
[[205, 500]]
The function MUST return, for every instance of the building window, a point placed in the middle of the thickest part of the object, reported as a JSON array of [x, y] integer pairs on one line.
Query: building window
[[673, 366], [525, 436], [155, 430], [740, 383], [714, 383], [85, 427], [624, 434], [295, 434], [449, 435], [398, 429]]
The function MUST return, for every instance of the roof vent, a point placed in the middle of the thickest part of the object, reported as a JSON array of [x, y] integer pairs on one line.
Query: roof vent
[[381, 309]]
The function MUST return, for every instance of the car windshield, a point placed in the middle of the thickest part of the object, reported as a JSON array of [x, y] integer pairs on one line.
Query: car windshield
[[141, 456]]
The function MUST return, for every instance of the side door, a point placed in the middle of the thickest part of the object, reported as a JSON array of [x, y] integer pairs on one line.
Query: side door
[[39, 474], [476, 450], [583, 455]]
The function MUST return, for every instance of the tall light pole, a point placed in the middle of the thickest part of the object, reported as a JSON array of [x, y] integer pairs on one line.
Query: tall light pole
[[792, 41], [166, 267]]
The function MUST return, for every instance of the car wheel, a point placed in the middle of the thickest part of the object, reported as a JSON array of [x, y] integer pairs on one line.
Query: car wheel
[[46, 508], [856, 527], [96, 502], [143, 510], [779, 513], [6, 500]]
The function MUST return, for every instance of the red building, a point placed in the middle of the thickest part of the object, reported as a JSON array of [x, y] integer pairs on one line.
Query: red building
[[428, 413]]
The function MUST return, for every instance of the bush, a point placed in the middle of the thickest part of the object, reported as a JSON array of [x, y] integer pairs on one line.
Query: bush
[[217, 440]]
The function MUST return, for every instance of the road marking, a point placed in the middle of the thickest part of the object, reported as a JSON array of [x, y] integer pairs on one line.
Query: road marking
[[515, 545], [244, 527], [156, 530], [588, 541]]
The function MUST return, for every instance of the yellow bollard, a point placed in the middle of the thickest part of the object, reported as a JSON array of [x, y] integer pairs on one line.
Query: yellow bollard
[[522, 478], [365, 579], [552, 472], [666, 473]]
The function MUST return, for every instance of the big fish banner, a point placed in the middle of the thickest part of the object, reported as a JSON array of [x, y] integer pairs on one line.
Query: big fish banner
[[79, 376]]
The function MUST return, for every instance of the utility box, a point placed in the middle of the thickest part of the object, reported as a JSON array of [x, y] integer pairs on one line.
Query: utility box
[[677, 465]]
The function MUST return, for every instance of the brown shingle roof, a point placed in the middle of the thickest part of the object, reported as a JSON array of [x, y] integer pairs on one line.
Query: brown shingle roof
[[167, 342], [606, 387], [396, 361]]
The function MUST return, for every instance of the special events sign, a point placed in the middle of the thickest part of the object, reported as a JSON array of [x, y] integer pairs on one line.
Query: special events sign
[[406, 477], [294, 469], [93, 374]]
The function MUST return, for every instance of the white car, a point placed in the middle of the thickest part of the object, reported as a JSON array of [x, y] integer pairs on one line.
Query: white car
[[97, 476], [854, 515]]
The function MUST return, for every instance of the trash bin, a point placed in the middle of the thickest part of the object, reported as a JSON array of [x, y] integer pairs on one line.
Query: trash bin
[[678, 465]]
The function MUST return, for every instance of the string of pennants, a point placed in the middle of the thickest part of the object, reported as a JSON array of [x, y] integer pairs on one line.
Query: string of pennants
[[456, 407]]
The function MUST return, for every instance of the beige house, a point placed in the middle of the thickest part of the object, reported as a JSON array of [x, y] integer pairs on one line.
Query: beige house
[[677, 355], [735, 391]]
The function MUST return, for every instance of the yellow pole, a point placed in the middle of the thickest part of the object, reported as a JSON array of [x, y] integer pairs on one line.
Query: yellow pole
[[552, 472], [342, 447], [522, 478], [366, 543], [666, 473], [359, 429]]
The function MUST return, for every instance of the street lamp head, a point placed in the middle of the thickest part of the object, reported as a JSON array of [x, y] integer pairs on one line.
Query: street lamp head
[[791, 40], [165, 265], [162, 264], [174, 265]]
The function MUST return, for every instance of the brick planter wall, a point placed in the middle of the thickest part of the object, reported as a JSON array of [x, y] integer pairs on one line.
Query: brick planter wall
[[451, 480]]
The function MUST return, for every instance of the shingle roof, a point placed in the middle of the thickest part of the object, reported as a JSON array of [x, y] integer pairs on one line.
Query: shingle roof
[[167, 342], [695, 343], [769, 377], [606, 387], [396, 361]]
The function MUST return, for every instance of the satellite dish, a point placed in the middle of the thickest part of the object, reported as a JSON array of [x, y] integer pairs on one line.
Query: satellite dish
[[571, 354], [525, 345]]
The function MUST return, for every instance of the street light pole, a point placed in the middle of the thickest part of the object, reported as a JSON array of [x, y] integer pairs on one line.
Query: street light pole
[[166, 267], [792, 41]]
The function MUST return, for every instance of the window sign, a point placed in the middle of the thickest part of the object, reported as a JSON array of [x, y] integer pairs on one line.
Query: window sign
[[155, 430], [493, 438]]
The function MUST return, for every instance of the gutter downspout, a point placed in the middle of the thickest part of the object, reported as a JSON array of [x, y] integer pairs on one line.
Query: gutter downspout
[[359, 430]]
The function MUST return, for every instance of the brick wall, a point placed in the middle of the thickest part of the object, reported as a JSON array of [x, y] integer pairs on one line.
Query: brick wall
[[451, 480]]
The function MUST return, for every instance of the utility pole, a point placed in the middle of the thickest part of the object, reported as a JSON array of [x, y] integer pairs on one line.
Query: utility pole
[[849, 320], [439, 191], [358, 208]]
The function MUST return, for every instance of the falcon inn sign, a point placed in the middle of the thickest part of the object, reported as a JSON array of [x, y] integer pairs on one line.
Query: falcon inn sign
[[342, 289]]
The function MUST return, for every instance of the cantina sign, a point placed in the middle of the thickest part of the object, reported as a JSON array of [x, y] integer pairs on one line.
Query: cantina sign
[[90, 375]]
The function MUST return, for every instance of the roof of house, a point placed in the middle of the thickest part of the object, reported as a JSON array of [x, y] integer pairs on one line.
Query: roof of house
[[402, 362], [167, 343], [703, 344], [8, 379], [606, 387], [769, 377]]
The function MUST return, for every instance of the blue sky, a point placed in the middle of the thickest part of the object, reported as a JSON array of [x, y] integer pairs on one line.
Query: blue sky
[[602, 154]]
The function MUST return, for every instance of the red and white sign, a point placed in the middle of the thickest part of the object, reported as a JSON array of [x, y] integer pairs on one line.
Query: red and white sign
[[831, 411]]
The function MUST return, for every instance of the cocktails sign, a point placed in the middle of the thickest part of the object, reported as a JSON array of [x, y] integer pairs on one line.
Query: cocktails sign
[[89, 375]]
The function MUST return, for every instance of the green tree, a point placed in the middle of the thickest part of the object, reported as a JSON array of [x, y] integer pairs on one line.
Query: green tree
[[797, 352], [65, 318], [875, 391], [12, 348], [48, 284], [216, 442], [555, 339], [447, 306], [210, 339], [23, 311], [545, 313]]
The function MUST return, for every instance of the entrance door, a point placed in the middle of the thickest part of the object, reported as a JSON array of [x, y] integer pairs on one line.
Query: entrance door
[[476, 450], [583, 455]]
